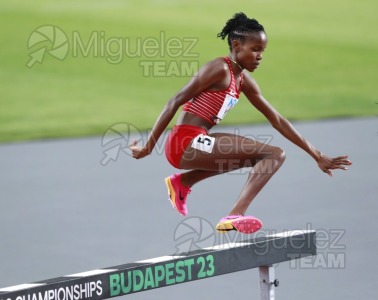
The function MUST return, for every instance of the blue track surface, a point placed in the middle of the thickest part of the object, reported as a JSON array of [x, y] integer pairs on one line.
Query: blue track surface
[[64, 212]]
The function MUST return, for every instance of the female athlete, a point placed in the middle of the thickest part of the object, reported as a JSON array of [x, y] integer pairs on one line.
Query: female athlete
[[206, 99]]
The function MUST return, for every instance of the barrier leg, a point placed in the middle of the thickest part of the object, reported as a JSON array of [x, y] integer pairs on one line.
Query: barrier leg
[[267, 282]]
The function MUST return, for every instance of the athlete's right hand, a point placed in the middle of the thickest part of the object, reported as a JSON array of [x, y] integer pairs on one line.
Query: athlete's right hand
[[136, 151], [326, 163]]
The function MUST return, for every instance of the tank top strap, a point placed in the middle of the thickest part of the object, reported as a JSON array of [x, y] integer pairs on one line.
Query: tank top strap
[[238, 88], [233, 79], [229, 63]]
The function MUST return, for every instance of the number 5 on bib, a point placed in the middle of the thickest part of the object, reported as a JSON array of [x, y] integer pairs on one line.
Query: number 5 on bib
[[204, 143]]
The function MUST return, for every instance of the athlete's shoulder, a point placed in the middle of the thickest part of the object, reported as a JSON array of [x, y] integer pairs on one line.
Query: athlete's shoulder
[[249, 83], [247, 76], [216, 67]]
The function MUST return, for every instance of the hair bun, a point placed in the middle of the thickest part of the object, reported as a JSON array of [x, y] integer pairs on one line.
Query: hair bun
[[239, 25], [240, 17]]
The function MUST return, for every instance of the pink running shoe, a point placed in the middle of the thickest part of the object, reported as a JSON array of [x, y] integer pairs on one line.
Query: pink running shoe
[[177, 193], [243, 224]]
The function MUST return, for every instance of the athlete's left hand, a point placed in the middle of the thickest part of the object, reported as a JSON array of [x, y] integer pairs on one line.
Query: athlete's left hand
[[137, 151], [326, 164]]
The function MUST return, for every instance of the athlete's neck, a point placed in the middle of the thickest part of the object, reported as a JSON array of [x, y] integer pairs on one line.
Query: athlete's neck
[[236, 63]]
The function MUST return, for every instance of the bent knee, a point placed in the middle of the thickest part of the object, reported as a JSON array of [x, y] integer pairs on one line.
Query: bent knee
[[279, 154]]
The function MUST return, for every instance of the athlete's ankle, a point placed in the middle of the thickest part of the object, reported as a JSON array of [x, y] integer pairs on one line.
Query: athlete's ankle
[[184, 181], [236, 213]]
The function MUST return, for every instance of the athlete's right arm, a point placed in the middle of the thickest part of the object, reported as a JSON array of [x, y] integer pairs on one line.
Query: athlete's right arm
[[211, 75]]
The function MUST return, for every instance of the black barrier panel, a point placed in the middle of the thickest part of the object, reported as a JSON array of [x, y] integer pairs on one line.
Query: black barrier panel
[[169, 270]]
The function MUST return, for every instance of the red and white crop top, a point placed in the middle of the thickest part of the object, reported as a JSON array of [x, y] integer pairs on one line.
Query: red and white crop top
[[212, 106]]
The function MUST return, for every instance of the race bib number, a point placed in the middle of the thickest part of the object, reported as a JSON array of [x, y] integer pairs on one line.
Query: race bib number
[[228, 103], [204, 143]]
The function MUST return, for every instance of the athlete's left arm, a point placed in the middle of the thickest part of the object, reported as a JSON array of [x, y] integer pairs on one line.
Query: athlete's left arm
[[253, 93]]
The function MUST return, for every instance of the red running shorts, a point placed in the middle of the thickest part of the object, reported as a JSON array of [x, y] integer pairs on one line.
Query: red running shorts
[[178, 140]]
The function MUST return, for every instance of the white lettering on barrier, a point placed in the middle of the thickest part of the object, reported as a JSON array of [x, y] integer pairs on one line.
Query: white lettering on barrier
[[73, 292]]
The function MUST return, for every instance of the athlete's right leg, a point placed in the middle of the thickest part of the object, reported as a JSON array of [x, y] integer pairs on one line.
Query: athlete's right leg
[[179, 186], [231, 152]]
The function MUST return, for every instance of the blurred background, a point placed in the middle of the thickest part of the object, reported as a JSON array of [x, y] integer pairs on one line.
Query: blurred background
[[80, 77], [73, 68]]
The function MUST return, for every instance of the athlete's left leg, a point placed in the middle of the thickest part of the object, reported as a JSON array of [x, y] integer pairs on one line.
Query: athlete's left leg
[[232, 152]]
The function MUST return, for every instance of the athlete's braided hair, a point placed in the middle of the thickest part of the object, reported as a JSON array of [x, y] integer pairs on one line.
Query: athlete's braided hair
[[239, 27]]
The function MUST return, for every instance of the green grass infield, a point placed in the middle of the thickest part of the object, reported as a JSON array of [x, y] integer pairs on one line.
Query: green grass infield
[[74, 68]]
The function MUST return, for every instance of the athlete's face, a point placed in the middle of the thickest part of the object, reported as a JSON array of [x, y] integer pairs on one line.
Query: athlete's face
[[249, 52]]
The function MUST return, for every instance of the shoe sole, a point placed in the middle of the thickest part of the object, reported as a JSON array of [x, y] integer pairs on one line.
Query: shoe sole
[[246, 226]]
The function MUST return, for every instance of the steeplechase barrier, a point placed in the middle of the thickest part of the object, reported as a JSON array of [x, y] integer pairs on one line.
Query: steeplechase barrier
[[140, 276]]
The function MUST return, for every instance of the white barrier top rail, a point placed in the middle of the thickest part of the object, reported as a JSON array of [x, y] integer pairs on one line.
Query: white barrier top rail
[[169, 270]]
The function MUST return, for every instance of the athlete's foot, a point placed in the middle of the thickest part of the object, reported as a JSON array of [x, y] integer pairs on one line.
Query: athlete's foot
[[177, 193], [243, 224]]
